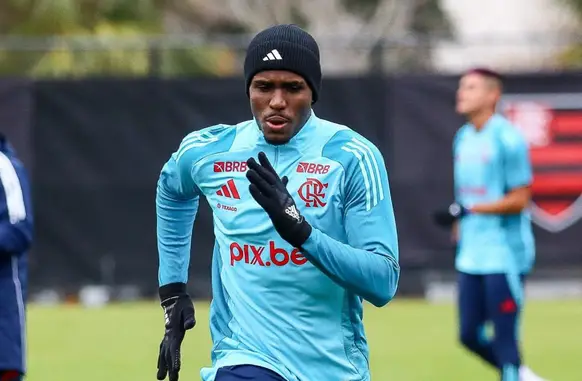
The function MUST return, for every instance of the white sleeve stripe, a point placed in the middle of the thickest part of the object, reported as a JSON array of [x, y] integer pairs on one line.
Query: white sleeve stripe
[[368, 167], [364, 174], [197, 136], [196, 139], [376, 167], [20, 303], [12, 190]]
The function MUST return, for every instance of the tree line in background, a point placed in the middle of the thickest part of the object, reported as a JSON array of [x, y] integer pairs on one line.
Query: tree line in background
[[82, 38], [105, 37], [572, 57], [116, 28]]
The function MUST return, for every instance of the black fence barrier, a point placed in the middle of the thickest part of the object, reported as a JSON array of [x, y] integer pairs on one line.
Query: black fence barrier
[[98, 146], [16, 104]]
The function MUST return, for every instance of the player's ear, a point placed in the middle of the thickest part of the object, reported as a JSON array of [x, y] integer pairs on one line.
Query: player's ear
[[496, 97]]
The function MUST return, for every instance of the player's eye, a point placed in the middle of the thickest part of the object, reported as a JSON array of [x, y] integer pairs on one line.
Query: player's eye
[[263, 86], [294, 87]]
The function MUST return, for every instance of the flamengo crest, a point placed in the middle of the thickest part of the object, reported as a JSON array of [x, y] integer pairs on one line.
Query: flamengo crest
[[552, 124]]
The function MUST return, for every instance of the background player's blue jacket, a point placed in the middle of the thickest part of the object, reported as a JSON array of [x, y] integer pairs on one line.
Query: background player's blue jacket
[[299, 314], [15, 239], [488, 164]]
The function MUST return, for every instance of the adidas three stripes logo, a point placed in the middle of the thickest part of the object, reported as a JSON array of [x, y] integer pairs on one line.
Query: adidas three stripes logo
[[229, 190], [273, 56]]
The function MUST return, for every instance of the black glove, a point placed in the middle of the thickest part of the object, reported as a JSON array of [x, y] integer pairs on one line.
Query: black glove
[[270, 192], [179, 317], [446, 217]]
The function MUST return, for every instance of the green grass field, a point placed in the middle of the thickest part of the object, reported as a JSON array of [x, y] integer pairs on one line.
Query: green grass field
[[409, 341]]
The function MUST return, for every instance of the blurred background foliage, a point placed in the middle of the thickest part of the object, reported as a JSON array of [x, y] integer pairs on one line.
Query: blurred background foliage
[[79, 38], [74, 38], [94, 36], [572, 57]]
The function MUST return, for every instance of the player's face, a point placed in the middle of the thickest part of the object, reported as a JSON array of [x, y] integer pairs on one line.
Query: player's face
[[281, 104], [475, 93]]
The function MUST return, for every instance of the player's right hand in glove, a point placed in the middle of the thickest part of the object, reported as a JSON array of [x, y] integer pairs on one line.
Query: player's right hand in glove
[[447, 217], [270, 192], [179, 317]]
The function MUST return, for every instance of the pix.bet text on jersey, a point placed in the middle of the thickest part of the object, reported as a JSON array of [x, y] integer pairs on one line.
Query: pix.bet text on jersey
[[272, 307]]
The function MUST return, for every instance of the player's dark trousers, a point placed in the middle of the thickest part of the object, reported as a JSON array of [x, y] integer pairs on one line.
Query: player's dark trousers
[[10, 375], [13, 278], [246, 373], [497, 299]]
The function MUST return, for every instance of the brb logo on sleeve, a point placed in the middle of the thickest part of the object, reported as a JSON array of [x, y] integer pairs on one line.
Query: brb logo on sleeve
[[312, 168], [256, 255]]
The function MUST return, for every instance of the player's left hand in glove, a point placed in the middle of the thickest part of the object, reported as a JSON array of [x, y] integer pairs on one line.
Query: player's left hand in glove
[[179, 317], [447, 217], [270, 192]]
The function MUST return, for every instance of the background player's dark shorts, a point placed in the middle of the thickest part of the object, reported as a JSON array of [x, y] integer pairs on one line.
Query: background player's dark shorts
[[246, 373], [489, 291], [488, 297], [495, 299]]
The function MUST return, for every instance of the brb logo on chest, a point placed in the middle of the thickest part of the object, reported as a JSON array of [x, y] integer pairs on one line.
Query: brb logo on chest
[[230, 166], [256, 255]]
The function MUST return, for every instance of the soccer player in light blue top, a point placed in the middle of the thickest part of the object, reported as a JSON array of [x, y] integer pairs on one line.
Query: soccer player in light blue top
[[304, 235], [492, 178]]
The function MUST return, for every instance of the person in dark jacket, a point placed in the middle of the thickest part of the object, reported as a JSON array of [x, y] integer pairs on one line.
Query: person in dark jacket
[[16, 232]]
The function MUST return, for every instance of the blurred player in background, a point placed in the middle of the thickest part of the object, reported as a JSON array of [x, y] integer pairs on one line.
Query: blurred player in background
[[491, 224], [303, 236], [15, 240]]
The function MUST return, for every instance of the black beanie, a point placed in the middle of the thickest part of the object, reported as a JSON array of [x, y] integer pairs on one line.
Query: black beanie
[[284, 47]]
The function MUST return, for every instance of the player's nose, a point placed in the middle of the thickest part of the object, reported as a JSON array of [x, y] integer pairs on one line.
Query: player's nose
[[278, 101]]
